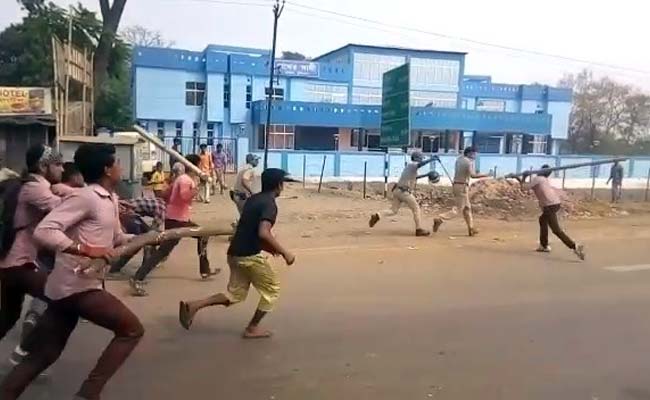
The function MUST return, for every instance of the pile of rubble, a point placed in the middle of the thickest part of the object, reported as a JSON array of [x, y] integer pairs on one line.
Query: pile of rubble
[[505, 199]]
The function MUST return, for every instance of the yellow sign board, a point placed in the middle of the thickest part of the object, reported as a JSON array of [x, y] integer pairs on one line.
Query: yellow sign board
[[24, 101]]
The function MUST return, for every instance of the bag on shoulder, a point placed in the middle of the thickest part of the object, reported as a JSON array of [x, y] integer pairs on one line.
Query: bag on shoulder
[[9, 191]]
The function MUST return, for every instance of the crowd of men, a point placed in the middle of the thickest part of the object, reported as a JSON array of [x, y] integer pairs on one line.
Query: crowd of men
[[56, 215]]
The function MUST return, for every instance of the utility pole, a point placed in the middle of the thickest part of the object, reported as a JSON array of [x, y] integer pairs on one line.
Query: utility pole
[[277, 11]]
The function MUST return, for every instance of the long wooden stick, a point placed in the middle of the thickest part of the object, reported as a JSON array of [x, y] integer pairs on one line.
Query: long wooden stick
[[156, 142], [569, 166], [151, 238]]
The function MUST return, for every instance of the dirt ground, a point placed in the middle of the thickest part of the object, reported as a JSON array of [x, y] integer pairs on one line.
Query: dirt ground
[[378, 314]]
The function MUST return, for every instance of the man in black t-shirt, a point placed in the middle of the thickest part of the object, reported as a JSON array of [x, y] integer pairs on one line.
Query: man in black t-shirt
[[248, 265]]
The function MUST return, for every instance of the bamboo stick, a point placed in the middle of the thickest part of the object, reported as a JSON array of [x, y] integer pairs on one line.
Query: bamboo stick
[[88, 265], [564, 167]]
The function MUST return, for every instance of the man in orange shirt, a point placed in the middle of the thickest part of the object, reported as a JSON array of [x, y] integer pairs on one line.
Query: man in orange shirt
[[206, 166]]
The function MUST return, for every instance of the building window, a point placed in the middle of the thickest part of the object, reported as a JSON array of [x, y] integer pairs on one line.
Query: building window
[[160, 130], [319, 93], [210, 134], [194, 93], [249, 95], [434, 74], [226, 92], [370, 139], [195, 135], [538, 144], [278, 93], [179, 129], [369, 68], [433, 99], [280, 137], [368, 96]]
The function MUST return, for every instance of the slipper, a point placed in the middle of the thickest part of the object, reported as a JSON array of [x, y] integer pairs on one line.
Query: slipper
[[184, 315], [265, 335]]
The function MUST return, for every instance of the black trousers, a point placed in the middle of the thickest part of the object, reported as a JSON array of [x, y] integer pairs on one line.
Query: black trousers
[[49, 338], [549, 219], [166, 247], [15, 283]]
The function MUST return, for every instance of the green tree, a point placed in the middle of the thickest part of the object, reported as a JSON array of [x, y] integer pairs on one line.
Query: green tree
[[26, 56], [607, 117]]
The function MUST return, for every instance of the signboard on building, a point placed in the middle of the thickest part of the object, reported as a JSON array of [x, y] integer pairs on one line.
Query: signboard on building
[[25, 101], [306, 69], [490, 105], [396, 108]]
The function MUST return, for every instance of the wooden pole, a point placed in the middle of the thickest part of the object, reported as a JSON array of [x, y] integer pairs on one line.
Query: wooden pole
[[322, 171], [564, 167], [88, 265], [647, 185], [55, 101], [83, 96], [593, 181], [304, 169], [365, 174], [156, 142]]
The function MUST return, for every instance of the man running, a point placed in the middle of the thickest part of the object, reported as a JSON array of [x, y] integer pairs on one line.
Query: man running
[[402, 193], [24, 268], [19, 273], [219, 160], [244, 182], [85, 225], [550, 203], [464, 172], [248, 265], [71, 179], [178, 216]]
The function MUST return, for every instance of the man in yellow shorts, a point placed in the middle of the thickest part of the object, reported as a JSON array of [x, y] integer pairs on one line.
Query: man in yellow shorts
[[248, 265], [464, 171]]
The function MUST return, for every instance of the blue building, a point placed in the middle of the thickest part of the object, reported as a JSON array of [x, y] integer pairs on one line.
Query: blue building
[[333, 102]]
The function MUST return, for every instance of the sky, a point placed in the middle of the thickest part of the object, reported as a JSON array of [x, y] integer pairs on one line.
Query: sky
[[596, 31]]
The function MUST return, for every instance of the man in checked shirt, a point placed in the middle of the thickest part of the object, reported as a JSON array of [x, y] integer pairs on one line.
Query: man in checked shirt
[[131, 213]]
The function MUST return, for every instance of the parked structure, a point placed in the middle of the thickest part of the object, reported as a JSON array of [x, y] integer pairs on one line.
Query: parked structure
[[333, 103]]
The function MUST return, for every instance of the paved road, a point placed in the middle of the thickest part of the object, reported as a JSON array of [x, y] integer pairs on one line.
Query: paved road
[[441, 318]]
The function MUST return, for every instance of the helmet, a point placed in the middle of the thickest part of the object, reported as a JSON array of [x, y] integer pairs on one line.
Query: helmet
[[417, 156], [434, 177], [252, 158]]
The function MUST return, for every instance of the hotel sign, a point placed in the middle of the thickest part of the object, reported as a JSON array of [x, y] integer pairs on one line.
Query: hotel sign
[[25, 101]]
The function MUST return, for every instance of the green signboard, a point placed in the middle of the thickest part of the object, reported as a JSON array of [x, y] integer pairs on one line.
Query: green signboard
[[396, 108]]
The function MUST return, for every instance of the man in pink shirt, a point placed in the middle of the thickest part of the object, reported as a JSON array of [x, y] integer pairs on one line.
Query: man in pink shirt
[[549, 202], [179, 205], [19, 273], [85, 225]]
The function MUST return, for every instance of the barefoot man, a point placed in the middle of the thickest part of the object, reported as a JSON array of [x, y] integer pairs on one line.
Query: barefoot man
[[460, 188], [248, 266], [402, 193]]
